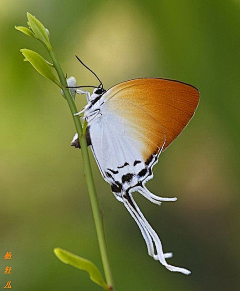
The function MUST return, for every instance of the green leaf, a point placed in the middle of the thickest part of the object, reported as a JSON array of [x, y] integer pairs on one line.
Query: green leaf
[[82, 264], [25, 30], [40, 64], [39, 30]]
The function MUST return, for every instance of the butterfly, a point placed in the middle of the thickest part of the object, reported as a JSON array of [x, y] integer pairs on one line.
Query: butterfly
[[129, 125]]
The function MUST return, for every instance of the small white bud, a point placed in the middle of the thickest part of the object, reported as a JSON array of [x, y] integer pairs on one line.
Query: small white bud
[[71, 83]]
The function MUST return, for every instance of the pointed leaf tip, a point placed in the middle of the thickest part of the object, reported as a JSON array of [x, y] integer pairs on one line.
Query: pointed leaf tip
[[82, 264], [40, 64], [39, 30], [25, 30]]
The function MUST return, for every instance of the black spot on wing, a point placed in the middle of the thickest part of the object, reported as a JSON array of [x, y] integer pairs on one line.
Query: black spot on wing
[[126, 164], [112, 171], [136, 162], [127, 177], [117, 187], [108, 175], [142, 173], [149, 160], [152, 159]]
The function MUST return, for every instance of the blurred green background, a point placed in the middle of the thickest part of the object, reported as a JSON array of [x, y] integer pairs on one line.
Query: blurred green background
[[44, 202]]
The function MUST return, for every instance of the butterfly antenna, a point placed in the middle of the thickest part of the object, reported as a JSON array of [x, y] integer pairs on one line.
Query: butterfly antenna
[[101, 84]]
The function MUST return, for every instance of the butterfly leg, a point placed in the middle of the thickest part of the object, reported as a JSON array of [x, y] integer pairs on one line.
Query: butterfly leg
[[83, 110], [82, 92]]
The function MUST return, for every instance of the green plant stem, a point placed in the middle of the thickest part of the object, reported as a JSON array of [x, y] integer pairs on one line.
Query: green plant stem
[[89, 178]]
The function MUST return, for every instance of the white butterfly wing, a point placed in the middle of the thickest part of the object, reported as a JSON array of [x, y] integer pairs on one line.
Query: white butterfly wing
[[124, 154]]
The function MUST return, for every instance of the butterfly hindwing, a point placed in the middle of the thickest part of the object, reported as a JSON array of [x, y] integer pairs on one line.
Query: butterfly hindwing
[[121, 145]]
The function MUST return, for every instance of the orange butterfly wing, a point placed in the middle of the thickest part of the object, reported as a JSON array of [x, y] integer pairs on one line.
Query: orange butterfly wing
[[170, 103]]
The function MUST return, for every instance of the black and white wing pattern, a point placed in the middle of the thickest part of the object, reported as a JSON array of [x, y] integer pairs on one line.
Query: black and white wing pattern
[[129, 126]]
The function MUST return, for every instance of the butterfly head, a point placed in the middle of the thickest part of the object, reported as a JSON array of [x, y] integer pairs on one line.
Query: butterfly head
[[97, 93]]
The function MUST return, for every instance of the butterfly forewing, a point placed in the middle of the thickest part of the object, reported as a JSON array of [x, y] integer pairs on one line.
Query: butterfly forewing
[[171, 103]]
